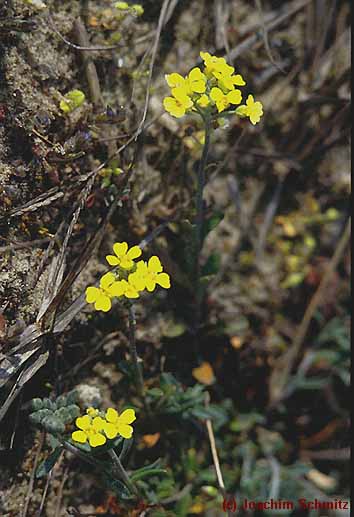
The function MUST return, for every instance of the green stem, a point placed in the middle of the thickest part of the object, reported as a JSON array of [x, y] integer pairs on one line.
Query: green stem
[[200, 217], [133, 351], [122, 472]]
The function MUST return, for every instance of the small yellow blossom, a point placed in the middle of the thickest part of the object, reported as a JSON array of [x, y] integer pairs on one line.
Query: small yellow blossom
[[252, 109], [203, 101], [223, 100], [89, 430], [147, 275], [228, 82], [194, 83], [119, 424], [101, 296], [92, 412], [214, 64], [179, 103], [123, 257]]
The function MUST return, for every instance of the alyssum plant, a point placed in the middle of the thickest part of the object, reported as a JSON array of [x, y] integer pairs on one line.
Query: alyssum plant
[[95, 434], [211, 93]]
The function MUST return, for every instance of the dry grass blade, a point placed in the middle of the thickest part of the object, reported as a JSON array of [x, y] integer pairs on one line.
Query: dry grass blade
[[40, 201], [23, 378]]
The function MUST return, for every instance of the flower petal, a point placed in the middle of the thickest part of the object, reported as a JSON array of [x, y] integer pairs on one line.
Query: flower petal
[[174, 80], [127, 417], [83, 422], [120, 248], [134, 252], [150, 284], [79, 436], [154, 264], [111, 415], [250, 100], [110, 430], [91, 294], [98, 423], [107, 280], [163, 280], [216, 94], [103, 303], [112, 260], [196, 75], [125, 430], [238, 80], [234, 97], [116, 289], [137, 281], [95, 440]]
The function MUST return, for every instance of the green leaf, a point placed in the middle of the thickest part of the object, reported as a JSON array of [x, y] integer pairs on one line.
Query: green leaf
[[53, 424], [46, 466], [38, 416], [37, 404], [139, 474], [119, 488]]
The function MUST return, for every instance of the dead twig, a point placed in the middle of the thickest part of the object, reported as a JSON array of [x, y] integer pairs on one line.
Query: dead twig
[[265, 36], [84, 48], [214, 453]]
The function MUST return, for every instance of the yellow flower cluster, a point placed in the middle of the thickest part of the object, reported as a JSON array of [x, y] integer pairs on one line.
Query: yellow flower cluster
[[128, 278], [215, 87], [95, 427]]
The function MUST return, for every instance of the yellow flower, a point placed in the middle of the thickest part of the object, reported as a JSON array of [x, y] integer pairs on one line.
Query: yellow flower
[[147, 275], [215, 64], [252, 109], [119, 424], [123, 257], [228, 82], [92, 412], [223, 100], [203, 101], [101, 296], [90, 430], [193, 83], [179, 103]]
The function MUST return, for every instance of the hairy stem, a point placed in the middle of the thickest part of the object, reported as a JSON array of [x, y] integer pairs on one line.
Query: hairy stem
[[200, 219], [133, 351], [122, 472]]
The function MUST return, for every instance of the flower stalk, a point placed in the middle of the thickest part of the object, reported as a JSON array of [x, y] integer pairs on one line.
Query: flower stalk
[[200, 216], [133, 351], [122, 473]]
